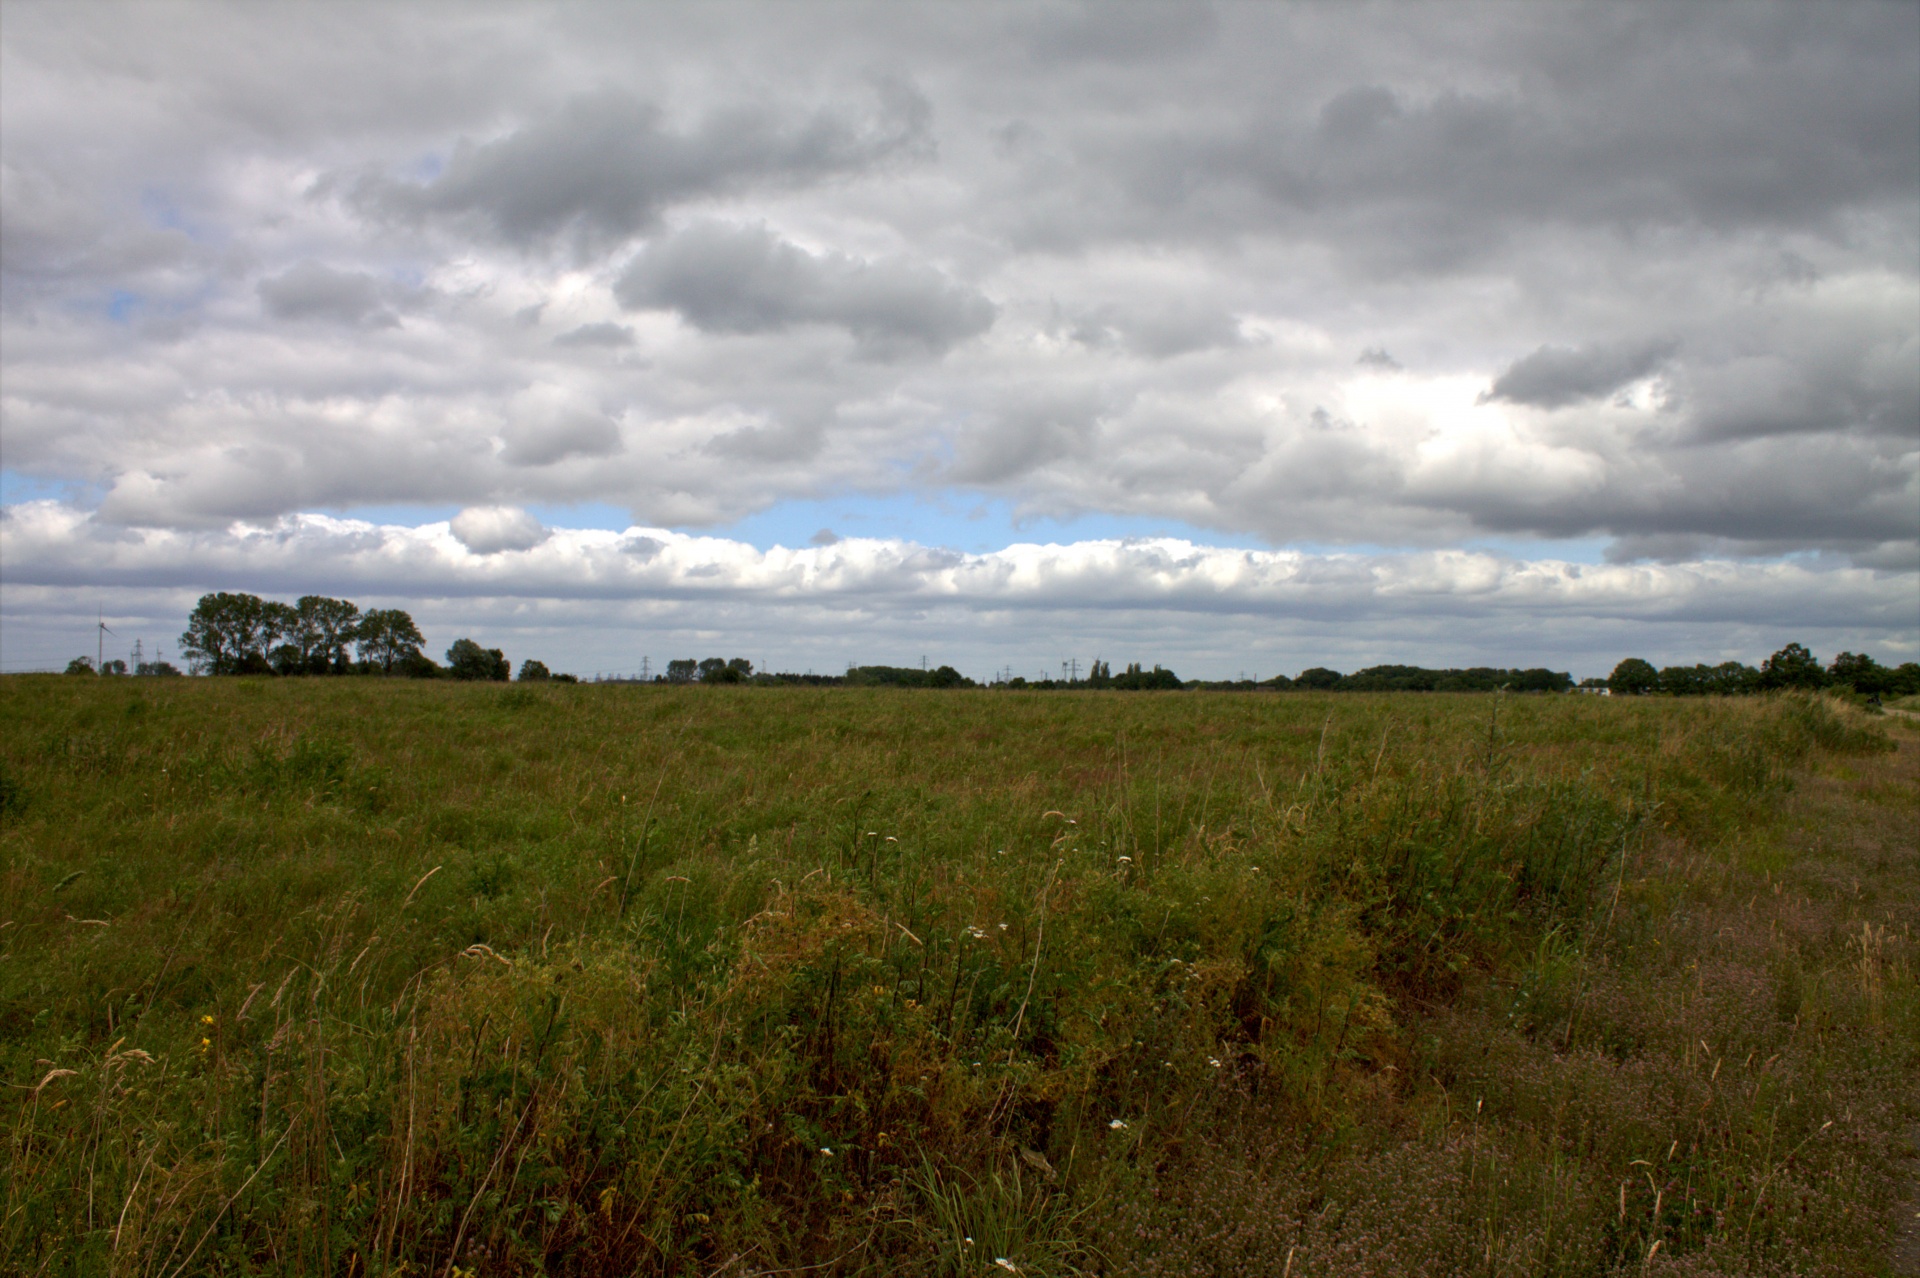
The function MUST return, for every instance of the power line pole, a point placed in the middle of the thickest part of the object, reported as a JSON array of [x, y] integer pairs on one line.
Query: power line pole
[[646, 670]]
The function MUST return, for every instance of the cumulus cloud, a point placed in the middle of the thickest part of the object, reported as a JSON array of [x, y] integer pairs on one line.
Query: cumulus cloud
[[603, 333], [311, 291], [1644, 279], [1555, 376], [728, 279], [550, 423], [488, 530], [1173, 327], [604, 166], [49, 543], [1036, 429]]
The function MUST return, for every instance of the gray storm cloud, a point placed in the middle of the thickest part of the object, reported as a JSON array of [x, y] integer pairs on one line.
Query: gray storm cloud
[[724, 279], [1555, 376], [1646, 279], [312, 291], [604, 166]]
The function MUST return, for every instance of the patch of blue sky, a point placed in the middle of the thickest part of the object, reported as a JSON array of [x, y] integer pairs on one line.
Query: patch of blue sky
[[16, 487], [1573, 550], [123, 305], [160, 210]]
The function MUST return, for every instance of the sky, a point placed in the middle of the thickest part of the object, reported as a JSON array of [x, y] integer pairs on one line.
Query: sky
[[1237, 338]]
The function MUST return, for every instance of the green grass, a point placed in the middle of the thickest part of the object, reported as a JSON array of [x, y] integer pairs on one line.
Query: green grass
[[368, 977]]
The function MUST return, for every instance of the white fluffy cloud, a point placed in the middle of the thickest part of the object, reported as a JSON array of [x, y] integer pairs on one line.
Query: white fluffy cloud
[[1154, 599], [489, 530]]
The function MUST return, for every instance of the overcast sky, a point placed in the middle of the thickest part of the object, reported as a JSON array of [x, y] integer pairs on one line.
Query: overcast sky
[[1240, 338]]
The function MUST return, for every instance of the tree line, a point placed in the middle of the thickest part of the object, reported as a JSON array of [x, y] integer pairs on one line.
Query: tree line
[[1791, 667], [232, 633], [241, 634]]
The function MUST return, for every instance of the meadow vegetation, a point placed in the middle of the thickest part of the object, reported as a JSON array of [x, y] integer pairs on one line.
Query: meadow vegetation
[[372, 977]]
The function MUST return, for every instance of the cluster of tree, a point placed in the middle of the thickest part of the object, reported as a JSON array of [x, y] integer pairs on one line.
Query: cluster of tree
[[1791, 667], [231, 633], [1133, 678], [115, 666], [712, 670], [906, 677]]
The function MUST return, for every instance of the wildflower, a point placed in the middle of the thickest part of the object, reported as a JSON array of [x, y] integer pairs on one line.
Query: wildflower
[[1117, 1125], [1003, 927], [826, 1151], [969, 1240], [1006, 1264], [1214, 1061], [206, 1020]]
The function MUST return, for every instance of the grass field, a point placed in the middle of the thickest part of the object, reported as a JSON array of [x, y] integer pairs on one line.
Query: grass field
[[350, 976]]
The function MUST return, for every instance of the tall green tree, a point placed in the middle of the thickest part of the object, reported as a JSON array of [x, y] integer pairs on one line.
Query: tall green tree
[[468, 660], [1792, 667], [279, 637], [225, 633], [1633, 677], [1733, 679], [323, 630], [387, 637], [725, 670], [1861, 673]]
